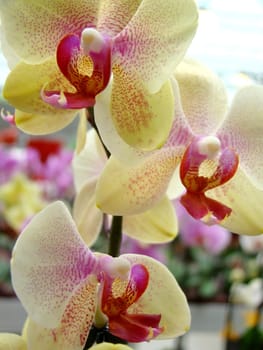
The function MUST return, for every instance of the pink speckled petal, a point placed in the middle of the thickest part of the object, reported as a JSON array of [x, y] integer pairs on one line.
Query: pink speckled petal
[[34, 28], [243, 130], [155, 40], [143, 120], [49, 261], [203, 96], [87, 216], [112, 140], [156, 225], [124, 190], [115, 15], [73, 330], [163, 296], [22, 90], [245, 200]]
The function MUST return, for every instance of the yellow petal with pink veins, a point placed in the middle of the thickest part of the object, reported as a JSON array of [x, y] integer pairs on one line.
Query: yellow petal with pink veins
[[87, 216], [143, 120], [156, 225], [50, 256], [73, 330], [243, 129], [155, 40], [123, 190], [115, 15], [163, 296], [34, 28], [22, 90], [203, 96], [245, 200]]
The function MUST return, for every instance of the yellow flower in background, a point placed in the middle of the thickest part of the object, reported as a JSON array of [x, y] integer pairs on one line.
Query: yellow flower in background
[[20, 199]]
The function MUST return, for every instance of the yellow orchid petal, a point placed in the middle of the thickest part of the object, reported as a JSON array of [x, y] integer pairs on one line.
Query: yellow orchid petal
[[143, 120], [243, 129], [9, 341], [22, 90], [87, 216], [245, 200], [40, 266], [34, 28], [157, 225], [123, 190], [89, 163], [163, 296], [203, 96], [115, 15], [155, 40], [112, 140], [81, 132], [73, 330], [109, 346]]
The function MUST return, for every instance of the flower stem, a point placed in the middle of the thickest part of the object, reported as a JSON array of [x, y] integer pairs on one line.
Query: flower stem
[[115, 236]]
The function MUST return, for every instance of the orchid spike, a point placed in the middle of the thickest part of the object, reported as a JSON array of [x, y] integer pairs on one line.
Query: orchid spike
[[66, 68], [63, 286], [211, 153]]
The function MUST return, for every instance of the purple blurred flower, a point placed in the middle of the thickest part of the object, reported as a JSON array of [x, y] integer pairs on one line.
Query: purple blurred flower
[[213, 238], [156, 251], [9, 165]]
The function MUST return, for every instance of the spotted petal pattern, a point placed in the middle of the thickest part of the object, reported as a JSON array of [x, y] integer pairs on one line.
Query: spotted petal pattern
[[155, 40], [36, 39], [243, 129], [124, 190], [49, 261]]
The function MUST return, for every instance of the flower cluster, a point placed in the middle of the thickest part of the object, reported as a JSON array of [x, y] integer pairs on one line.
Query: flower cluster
[[160, 132]]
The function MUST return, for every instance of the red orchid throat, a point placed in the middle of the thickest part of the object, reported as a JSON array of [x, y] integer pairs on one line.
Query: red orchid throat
[[86, 63], [204, 166], [116, 299]]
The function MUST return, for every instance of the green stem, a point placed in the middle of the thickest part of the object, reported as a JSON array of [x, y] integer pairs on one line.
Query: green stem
[[116, 228], [91, 120], [115, 236]]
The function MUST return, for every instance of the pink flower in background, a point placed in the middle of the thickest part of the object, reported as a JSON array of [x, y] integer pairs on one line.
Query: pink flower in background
[[193, 232], [49, 163], [156, 251]]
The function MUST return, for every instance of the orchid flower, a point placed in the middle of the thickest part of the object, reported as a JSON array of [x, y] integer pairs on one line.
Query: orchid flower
[[70, 50], [157, 225], [216, 151], [20, 199], [65, 288]]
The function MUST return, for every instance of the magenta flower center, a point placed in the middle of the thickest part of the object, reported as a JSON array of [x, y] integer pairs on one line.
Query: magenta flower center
[[205, 165], [85, 61]]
